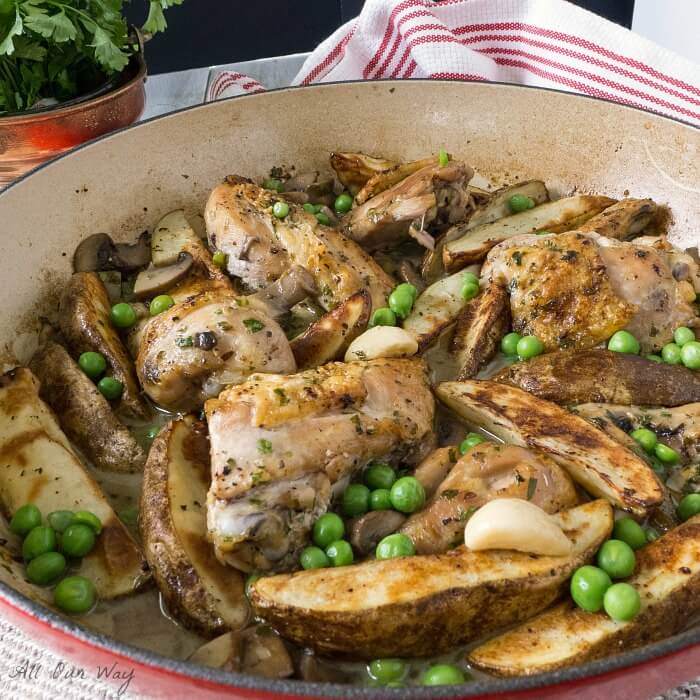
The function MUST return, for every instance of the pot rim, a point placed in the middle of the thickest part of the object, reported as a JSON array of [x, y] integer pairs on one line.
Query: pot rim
[[155, 660], [136, 65]]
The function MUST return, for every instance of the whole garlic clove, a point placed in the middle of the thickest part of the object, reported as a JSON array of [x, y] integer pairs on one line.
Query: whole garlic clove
[[511, 523], [382, 341]]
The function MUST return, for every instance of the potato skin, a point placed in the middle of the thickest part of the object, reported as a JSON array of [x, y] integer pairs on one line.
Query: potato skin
[[189, 588], [566, 635], [602, 376], [423, 605], [83, 413]]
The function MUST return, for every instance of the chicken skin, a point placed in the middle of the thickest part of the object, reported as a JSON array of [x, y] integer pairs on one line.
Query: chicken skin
[[574, 290], [280, 444], [487, 471], [433, 194], [260, 247]]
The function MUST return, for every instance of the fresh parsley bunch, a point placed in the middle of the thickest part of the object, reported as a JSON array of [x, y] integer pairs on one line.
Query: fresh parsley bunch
[[63, 48]]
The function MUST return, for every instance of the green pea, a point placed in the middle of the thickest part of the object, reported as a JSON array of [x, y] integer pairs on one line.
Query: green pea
[[129, 516], [160, 303], [407, 494], [666, 454], [688, 506], [443, 158], [683, 335], [314, 558], [250, 580], [472, 440], [645, 438], [630, 532], [379, 476], [122, 315], [621, 602], [323, 218], [529, 346], [616, 558], [625, 342], [90, 519], [46, 568], [671, 354], [40, 540], [588, 586], [355, 500], [469, 277], [93, 364], [110, 388], [509, 344], [380, 499], [75, 594], [26, 518], [311, 208], [328, 528], [383, 317], [659, 468], [520, 202], [60, 519], [443, 674], [78, 540], [654, 358], [469, 290], [393, 546], [343, 203], [340, 553], [651, 534], [219, 258], [387, 671], [272, 183], [690, 355], [401, 299], [280, 209]]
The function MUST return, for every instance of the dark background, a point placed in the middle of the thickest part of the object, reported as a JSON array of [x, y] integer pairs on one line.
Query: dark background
[[210, 32]]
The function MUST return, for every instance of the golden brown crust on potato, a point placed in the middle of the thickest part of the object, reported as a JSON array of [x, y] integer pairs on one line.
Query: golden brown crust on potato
[[593, 459], [667, 577], [602, 376], [85, 323], [83, 413], [393, 607], [203, 594]]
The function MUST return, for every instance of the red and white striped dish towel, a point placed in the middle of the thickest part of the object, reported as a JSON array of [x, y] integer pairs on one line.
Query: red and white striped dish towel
[[548, 43]]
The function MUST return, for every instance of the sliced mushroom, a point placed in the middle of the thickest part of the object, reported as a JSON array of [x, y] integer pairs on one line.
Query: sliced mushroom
[[98, 253], [265, 654], [314, 670], [367, 530], [155, 280]]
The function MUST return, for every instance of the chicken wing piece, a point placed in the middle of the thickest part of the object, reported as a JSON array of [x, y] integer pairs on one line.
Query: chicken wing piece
[[574, 290], [433, 194], [279, 444], [195, 348], [623, 220], [487, 471], [261, 247]]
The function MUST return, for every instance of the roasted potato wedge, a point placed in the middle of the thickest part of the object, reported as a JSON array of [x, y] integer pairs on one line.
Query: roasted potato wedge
[[392, 607], [354, 169], [83, 413], [388, 178], [203, 594], [40, 467], [328, 338], [593, 459], [561, 215], [480, 327], [496, 207], [435, 309], [623, 220], [86, 325], [571, 377], [667, 577]]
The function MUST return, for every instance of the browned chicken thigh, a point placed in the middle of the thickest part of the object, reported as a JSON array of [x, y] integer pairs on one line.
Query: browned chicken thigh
[[279, 444], [260, 247], [487, 471]]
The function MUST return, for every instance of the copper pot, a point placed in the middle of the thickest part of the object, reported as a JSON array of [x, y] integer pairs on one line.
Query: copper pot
[[124, 183], [30, 138]]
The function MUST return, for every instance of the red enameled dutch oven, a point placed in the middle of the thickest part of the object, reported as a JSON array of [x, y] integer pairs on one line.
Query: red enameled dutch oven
[[124, 182]]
